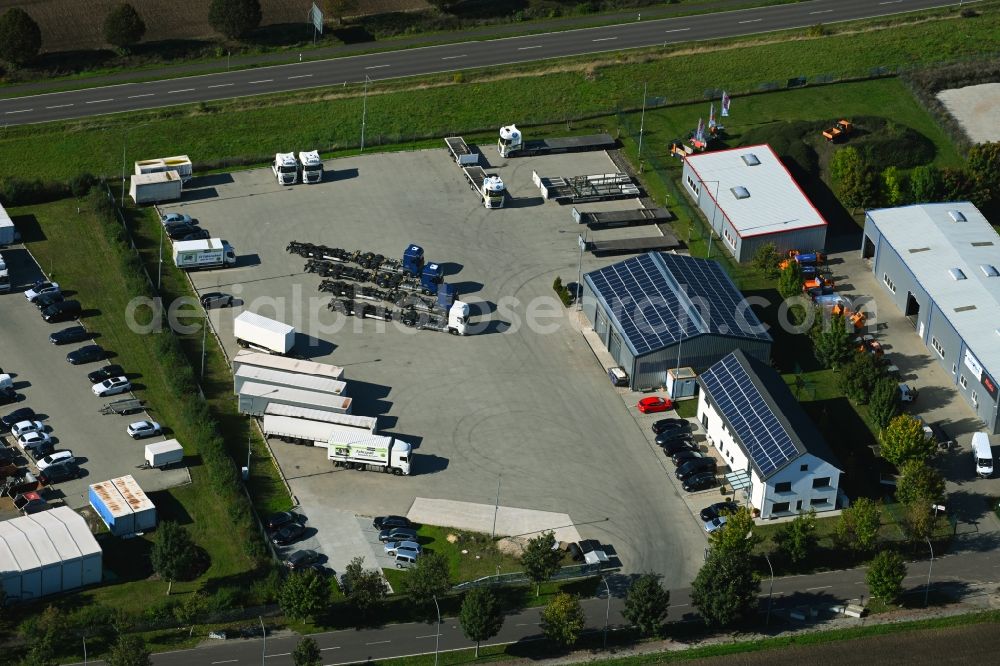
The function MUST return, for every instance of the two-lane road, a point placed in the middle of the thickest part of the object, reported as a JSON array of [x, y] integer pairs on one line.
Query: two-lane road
[[437, 59]]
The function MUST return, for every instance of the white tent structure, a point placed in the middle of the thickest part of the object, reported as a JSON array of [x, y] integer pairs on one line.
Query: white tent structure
[[47, 553]]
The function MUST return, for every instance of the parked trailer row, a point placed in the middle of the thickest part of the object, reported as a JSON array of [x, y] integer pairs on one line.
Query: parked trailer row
[[621, 218], [582, 189]]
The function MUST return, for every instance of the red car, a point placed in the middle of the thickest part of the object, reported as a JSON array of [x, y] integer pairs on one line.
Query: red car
[[654, 404]]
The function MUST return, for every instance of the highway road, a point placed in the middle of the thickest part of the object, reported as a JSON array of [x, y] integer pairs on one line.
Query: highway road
[[445, 58], [820, 591]]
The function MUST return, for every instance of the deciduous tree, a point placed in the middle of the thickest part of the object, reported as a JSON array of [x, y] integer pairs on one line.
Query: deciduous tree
[[738, 537], [426, 580], [790, 280], [481, 616], [541, 559], [883, 405], [725, 589], [304, 595], [766, 260], [563, 620], [646, 604], [173, 554], [885, 576], [924, 184], [832, 341], [306, 653], [20, 37], [895, 186], [365, 587], [858, 378], [918, 481], [234, 19], [859, 524], [123, 27], [904, 439], [128, 650], [797, 539]]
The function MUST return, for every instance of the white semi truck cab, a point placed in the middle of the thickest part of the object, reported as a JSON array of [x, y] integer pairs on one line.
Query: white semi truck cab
[[285, 168], [312, 166], [510, 140], [458, 318], [493, 192]]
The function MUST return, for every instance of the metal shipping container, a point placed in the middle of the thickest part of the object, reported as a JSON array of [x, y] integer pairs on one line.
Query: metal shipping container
[[143, 509], [112, 508]]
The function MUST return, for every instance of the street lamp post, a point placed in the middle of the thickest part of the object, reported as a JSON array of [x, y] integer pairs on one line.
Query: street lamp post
[[159, 265], [364, 113], [204, 334], [263, 632], [582, 241], [437, 633], [84, 651], [770, 590], [642, 119], [607, 610], [930, 567]]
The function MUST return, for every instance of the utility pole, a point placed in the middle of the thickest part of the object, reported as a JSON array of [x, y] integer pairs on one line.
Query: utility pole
[[263, 632], [204, 334], [642, 118], [364, 113], [437, 633], [496, 509], [607, 610]]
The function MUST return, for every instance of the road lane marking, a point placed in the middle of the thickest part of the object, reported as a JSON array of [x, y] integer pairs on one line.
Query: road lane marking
[[221, 85], [604, 39], [180, 91], [821, 587], [376, 67], [525, 48], [227, 661], [751, 21], [677, 30], [377, 642], [336, 647], [280, 654], [142, 95], [821, 11], [428, 636], [891, 2], [98, 101], [261, 81], [58, 106], [679, 605], [300, 76], [453, 57]]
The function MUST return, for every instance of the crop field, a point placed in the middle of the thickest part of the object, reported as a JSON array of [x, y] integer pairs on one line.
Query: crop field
[[76, 24]]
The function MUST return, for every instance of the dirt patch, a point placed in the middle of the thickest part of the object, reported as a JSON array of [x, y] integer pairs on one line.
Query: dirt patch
[[977, 110]]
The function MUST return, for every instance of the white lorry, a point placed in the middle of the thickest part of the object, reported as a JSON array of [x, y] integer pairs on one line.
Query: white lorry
[[285, 168], [456, 322], [202, 254], [155, 187], [490, 188], [512, 144], [8, 233], [164, 454], [263, 334], [312, 166], [375, 453]]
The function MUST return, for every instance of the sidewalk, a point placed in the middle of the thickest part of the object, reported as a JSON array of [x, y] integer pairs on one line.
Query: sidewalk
[[340, 50]]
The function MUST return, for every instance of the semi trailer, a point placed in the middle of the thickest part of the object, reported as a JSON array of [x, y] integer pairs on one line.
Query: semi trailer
[[309, 432], [460, 151], [367, 423], [312, 166], [375, 453], [263, 334], [512, 144], [155, 187], [204, 254], [621, 218], [285, 168], [489, 188], [583, 189]]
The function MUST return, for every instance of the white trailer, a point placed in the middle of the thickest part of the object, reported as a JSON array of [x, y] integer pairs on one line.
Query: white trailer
[[489, 188], [253, 373], [155, 187], [254, 398], [303, 431], [8, 234], [4, 278], [312, 166], [298, 366], [512, 144], [164, 454], [375, 453], [367, 423], [204, 254], [263, 334], [285, 168], [460, 151], [180, 163]]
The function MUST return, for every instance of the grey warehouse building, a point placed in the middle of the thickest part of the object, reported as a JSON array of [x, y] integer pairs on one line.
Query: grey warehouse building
[[750, 199], [940, 264], [659, 311]]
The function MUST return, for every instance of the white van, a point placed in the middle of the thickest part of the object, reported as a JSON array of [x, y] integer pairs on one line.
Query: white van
[[983, 454]]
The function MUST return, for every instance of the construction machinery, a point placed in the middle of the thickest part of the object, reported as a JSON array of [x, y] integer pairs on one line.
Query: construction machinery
[[839, 131], [857, 319]]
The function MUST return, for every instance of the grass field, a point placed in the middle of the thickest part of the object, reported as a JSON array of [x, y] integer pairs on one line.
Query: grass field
[[433, 107]]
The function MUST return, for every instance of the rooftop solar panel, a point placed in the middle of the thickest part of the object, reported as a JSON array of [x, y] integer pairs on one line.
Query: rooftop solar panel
[[738, 399]]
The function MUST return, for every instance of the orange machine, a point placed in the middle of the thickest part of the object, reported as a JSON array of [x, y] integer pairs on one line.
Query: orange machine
[[840, 131]]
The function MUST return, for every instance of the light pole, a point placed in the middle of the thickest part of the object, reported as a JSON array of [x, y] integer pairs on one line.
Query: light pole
[[124, 144], [84, 651], [263, 632], [204, 334], [930, 567], [364, 113], [582, 240], [496, 509], [437, 633], [642, 119], [770, 590], [607, 610], [159, 265]]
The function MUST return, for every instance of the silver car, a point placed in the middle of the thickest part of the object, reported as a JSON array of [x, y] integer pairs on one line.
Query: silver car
[[394, 547]]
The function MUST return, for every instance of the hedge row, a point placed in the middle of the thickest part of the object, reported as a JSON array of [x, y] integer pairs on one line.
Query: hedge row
[[20, 192]]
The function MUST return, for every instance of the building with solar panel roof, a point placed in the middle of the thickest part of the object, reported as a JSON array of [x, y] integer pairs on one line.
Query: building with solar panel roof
[[773, 451], [658, 311]]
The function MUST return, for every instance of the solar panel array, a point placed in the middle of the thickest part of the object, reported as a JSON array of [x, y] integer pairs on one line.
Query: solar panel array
[[736, 397], [650, 311]]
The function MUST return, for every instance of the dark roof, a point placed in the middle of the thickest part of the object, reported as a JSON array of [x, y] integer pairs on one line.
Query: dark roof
[[656, 299], [765, 418]]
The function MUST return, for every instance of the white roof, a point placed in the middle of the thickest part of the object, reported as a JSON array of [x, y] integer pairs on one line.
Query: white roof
[[352, 420], [203, 244], [289, 364], [316, 431], [157, 177], [933, 244], [132, 493], [309, 156], [254, 319], [774, 204], [5, 220], [44, 539], [272, 392], [294, 380], [164, 447], [356, 437]]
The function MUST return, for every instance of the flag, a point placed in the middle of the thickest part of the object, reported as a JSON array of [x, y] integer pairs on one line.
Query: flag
[[725, 104], [711, 116], [700, 134]]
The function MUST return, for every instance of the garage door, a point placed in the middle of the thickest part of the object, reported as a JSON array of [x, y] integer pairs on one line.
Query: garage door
[[614, 345], [601, 325]]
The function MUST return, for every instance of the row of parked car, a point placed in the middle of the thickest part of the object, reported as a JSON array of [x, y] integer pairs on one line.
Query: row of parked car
[[180, 227], [695, 470]]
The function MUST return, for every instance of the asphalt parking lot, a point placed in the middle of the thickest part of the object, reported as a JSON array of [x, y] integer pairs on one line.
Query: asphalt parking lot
[[61, 397], [527, 406]]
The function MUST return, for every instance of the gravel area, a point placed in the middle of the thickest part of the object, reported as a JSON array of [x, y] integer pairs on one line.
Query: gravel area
[[977, 109]]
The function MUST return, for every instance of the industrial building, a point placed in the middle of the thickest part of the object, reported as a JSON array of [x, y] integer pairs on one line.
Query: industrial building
[[659, 311], [775, 454], [940, 265], [750, 199], [47, 553]]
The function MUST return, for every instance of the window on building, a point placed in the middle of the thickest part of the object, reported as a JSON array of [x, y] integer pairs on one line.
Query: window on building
[[798, 505], [819, 501], [803, 468], [975, 398], [821, 483], [783, 487], [963, 381], [938, 347], [704, 421], [888, 282], [954, 368], [693, 186], [779, 507]]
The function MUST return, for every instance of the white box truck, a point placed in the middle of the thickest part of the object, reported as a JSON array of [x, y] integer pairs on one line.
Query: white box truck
[[263, 334], [285, 168], [179, 163], [8, 234], [155, 187], [312, 166], [164, 454], [376, 453], [202, 254]]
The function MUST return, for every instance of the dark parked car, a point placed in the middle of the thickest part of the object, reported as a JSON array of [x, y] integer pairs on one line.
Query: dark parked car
[[16, 416], [665, 438], [667, 425], [692, 467], [216, 299], [69, 335], [280, 519], [719, 509], [86, 354], [700, 481], [682, 457], [64, 311], [288, 534], [678, 445], [197, 234], [301, 559], [8, 454], [397, 534], [47, 299], [179, 231], [388, 522], [8, 395], [107, 372], [63, 471]]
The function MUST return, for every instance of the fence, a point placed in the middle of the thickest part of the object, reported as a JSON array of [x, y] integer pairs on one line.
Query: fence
[[520, 578]]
